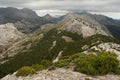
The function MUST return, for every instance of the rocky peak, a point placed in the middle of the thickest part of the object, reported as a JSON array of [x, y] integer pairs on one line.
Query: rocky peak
[[28, 13], [48, 17], [13, 14], [83, 24]]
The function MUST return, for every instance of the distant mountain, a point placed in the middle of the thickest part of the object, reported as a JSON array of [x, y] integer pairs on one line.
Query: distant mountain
[[10, 14], [26, 20], [112, 24], [49, 19], [47, 16]]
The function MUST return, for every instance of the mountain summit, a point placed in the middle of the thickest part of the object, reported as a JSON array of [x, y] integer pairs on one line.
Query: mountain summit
[[83, 24]]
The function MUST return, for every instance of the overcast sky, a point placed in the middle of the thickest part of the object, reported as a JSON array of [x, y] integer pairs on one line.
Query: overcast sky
[[59, 7]]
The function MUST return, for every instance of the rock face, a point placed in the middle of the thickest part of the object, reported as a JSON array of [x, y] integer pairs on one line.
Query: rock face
[[82, 24], [112, 47], [9, 33], [61, 74]]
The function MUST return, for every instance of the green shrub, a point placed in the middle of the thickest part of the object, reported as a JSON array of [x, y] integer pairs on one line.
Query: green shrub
[[106, 62], [87, 79], [46, 63], [25, 71], [103, 63], [38, 67], [61, 63], [85, 63]]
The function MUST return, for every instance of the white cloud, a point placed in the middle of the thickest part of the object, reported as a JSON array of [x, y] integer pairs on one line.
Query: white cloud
[[115, 15], [51, 12]]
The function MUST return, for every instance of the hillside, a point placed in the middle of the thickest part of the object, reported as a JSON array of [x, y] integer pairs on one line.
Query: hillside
[[50, 46]]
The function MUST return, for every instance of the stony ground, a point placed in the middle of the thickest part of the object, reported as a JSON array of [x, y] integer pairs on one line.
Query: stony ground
[[61, 74]]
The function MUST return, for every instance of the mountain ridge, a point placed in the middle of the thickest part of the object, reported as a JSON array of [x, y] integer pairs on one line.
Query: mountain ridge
[[52, 40]]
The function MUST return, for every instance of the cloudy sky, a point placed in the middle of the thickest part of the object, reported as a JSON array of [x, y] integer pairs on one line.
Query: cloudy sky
[[59, 7]]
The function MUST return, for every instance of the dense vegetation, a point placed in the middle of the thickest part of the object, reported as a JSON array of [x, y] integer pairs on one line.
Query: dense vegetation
[[41, 50], [24, 71], [91, 64], [100, 64], [30, 70]]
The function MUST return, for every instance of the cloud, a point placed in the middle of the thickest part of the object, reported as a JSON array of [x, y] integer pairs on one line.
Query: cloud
[[92, 5], [66, 5]]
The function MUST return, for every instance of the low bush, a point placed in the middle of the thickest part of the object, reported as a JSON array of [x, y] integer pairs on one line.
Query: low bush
[[61, 63], [46, 63], [38, 67], [25, 71]]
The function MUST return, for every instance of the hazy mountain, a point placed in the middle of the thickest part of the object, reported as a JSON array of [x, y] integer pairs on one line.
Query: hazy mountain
[[48, 17], [10, 14], [26, 20], [112, 24]]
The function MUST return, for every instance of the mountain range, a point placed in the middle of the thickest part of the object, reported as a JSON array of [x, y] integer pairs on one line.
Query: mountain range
[[26, 20], [27, 39]]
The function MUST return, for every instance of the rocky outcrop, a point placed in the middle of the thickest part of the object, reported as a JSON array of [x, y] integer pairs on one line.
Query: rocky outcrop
[[8, 34], [61, 74], [112, 47]]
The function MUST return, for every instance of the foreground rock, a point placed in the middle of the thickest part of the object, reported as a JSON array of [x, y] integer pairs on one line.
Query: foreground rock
[[61, 74]]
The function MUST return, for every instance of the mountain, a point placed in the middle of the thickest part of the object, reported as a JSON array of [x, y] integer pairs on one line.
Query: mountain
[[10, 14], [26, 20], [50, 19], [65, 43], [112, 24], [82, 24]]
